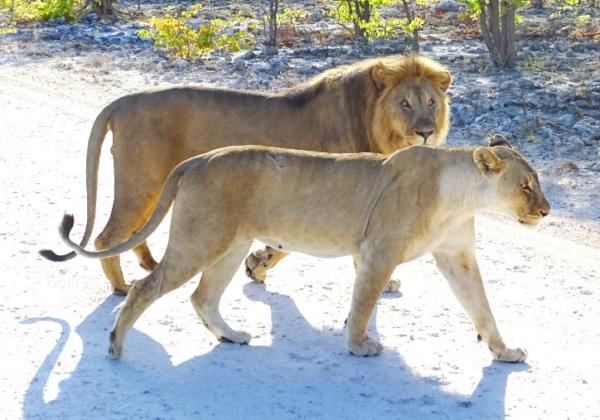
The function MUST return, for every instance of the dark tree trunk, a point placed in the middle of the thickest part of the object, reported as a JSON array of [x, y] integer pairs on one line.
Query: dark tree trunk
[[497, 22], [410, 15], [103, 8], [273, 9], [537, 4]]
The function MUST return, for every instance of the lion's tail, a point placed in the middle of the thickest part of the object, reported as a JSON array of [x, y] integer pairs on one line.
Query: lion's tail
[[167, 196], [97, 135]]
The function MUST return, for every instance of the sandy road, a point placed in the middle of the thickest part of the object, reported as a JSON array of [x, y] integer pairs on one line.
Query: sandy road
[[544, 288]]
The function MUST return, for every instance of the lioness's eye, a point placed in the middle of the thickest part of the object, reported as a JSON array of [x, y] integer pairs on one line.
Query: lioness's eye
[[405, 103], [431, 102], [527, 188]]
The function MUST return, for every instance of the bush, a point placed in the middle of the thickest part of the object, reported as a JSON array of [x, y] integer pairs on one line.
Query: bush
[[368, 23], [185, 41], [23, 10]]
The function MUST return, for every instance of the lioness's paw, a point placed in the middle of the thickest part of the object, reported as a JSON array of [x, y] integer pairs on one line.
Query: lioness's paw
[[368, 347], [393, 286], [239, 337], [255, 268], [510, 355], [114, 350]]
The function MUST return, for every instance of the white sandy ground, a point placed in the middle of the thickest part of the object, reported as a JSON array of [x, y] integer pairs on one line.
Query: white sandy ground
[[543, 284]]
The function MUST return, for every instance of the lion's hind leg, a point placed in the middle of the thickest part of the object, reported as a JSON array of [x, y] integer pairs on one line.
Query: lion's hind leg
[[260, 262], [144, 256], [207, 295]]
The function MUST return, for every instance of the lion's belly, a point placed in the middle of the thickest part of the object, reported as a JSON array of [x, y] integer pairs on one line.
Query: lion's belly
[[315, 246]]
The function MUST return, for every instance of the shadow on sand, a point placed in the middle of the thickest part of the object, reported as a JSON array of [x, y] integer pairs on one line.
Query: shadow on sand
[[305, 373]]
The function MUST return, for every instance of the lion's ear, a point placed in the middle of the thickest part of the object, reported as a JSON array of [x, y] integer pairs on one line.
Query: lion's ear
[[488, 162], [382, 76], [498, 140], [444, 80]]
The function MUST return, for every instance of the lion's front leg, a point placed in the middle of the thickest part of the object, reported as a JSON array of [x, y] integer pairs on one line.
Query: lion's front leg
[[372, 278], [261, 261], [392, 286], [461, 270]]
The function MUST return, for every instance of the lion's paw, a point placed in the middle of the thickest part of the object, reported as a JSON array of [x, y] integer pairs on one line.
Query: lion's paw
[[256, 267], [239, 337], [517, 355], [368, 347], [393, 286]]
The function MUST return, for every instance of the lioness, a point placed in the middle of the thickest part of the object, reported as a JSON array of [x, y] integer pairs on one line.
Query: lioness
[[384, 210], [377, 105]]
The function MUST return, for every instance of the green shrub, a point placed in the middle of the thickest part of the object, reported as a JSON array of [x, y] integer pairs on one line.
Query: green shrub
[[175, 35], [368, 22], [24, 10], [184, 41]]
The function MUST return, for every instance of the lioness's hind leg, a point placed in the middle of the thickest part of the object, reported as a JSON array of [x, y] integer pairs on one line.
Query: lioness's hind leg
[[170, 274], [144, 256], [261, 261], [207, 295]]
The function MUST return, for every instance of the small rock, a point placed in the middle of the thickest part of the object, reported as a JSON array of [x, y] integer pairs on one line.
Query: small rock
[[96, 59], [248, 55], [91, 17], [462, 114], [269, 50], [276, 65], [568, 167], [239, 64], [566, 120], [561, 46], [448, 6], [260, 67]]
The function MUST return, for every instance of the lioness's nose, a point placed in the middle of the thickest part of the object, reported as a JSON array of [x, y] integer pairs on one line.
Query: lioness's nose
[[544, 213], [424, 134]]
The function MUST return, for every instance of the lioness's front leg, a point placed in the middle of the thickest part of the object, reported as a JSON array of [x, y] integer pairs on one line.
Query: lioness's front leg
[[461, 270], [261, 261], [371, 279]]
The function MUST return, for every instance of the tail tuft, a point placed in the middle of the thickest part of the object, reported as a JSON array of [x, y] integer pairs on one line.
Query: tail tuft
[[64, 230], [66, 226]]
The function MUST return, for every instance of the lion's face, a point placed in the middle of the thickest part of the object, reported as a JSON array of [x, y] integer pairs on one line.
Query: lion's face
[[517, 186], [416, 112], [412, 107]]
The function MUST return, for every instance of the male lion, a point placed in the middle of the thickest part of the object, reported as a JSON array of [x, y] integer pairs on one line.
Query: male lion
[[383, 210], [376, 105]]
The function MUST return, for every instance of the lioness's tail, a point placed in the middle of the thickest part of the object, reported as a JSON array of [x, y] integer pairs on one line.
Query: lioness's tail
[[167, 196], [99, 130]]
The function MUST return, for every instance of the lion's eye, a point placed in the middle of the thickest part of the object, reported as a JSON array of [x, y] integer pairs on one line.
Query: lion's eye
[[405, 103], [431, 102], [527, 188]]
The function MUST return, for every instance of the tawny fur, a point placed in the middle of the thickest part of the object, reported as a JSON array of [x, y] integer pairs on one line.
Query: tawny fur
[[383, 210], [353, 108]]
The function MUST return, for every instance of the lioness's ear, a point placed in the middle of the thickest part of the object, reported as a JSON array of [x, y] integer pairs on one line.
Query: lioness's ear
[[498, 140], [488, 162]]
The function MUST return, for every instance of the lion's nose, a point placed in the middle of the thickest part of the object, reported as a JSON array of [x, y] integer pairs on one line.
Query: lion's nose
[[424, 134], [544, 213]]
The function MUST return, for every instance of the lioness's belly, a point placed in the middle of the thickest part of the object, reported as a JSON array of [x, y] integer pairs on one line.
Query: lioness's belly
[[318, 247]]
